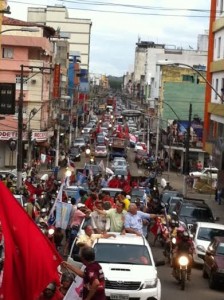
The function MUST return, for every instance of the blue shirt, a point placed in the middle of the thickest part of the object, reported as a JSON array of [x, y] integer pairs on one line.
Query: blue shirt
[[135, 221]]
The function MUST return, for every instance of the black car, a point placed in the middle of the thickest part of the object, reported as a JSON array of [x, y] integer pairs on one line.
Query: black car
[[74, 154], [188, 211]]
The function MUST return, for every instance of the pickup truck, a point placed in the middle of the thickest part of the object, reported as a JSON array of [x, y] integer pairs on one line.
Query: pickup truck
[[117, 148]]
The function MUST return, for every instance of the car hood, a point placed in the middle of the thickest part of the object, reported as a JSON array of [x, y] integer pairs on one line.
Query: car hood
[[219, 259], [202, 243], [128, 272]]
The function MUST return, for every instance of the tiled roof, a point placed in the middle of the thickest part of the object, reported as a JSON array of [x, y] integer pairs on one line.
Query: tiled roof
[[15, 22]]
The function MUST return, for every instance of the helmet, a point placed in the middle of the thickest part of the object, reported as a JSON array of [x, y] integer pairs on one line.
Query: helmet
[[173, 223], [43, 210], [185, 235]]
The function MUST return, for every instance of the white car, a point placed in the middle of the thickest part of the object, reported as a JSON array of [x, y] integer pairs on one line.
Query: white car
[[206, 173], [100, 151], [128, 265], [203, 233], [140, 146]]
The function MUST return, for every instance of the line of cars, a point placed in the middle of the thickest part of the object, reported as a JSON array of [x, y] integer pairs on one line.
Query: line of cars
[[207, 236]]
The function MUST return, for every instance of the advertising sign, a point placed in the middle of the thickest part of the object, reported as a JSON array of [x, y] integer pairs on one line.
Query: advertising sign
[[178, 130], [56, 83], [7, 98]]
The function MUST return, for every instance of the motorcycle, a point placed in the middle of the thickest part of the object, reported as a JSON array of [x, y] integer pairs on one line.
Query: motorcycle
[[181, 270]]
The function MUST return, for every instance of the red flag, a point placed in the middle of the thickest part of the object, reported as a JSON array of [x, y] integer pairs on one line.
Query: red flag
[[31, 189], [31, 260]]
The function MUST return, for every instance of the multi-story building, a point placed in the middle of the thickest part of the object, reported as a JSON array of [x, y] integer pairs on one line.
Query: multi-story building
[[214, 108], [78, 31], [147, 54], [26, 58]]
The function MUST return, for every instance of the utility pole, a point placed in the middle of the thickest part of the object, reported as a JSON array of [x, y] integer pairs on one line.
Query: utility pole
[[20, 132], [187, 142], [187, 147]]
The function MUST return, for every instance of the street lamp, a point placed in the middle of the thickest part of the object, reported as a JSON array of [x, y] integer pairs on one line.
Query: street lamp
[[27, 29]]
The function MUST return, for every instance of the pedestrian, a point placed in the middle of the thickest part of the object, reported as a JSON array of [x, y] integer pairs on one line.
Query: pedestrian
[[93, 276]]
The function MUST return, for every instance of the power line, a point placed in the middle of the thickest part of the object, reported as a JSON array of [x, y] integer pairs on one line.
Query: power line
[[130, 6]]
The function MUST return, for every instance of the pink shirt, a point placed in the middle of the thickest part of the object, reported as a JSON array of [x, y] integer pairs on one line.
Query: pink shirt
[[76, 217]]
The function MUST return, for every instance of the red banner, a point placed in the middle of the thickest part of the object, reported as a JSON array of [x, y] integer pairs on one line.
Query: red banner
[[56, 83]]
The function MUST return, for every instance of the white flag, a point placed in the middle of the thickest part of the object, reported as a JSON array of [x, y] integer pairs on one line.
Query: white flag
[[101, 165]]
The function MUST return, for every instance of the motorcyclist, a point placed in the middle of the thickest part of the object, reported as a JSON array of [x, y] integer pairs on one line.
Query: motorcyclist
[[173, 224], [184, 246]]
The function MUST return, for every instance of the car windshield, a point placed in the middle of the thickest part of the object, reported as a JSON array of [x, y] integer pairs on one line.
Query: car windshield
[[137, 193], [220, 249], [122, 254], [207, 234], [199, 213]]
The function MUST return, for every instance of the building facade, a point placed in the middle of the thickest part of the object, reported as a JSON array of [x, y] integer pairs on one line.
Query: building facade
[[214, 108], [26, 58], [78, 31]]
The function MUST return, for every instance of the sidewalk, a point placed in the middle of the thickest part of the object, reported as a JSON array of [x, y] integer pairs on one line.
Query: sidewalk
[[177, 182]]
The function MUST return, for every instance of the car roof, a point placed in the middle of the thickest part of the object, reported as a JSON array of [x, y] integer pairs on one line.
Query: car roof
[[111, 189], [210, 225], [128, 238], [195, 202]]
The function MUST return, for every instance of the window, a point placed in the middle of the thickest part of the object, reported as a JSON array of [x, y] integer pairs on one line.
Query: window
[[189, 78], [18, 82], [216, 87], [219, 47], [221, 7], [7, 52]]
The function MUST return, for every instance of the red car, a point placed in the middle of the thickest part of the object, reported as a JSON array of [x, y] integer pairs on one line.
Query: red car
[[214, 262]]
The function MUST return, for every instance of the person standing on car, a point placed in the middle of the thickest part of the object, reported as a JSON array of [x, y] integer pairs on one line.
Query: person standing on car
[[88, 238], [133, 222], [93, 276]]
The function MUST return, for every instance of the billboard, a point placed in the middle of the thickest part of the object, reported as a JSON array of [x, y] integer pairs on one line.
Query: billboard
[[178, 131], [7, 98]]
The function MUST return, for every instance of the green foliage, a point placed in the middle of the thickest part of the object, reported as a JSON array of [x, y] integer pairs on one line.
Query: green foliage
[[115, 82]]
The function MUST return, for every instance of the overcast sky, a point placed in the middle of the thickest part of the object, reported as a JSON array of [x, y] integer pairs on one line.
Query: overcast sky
[[116, 30]]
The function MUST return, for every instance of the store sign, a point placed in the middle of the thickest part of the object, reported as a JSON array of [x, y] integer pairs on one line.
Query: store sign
[[7, 98], [6, 135], [39, 136]]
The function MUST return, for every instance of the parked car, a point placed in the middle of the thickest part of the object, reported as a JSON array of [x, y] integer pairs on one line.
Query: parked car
[[80, 142], [213, 267], [100, 151], [206, 173], [121, 258], [203, 233], [190, 211]]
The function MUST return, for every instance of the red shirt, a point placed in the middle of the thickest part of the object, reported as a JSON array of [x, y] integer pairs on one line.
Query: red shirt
[[94, 271], [89, 203]]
